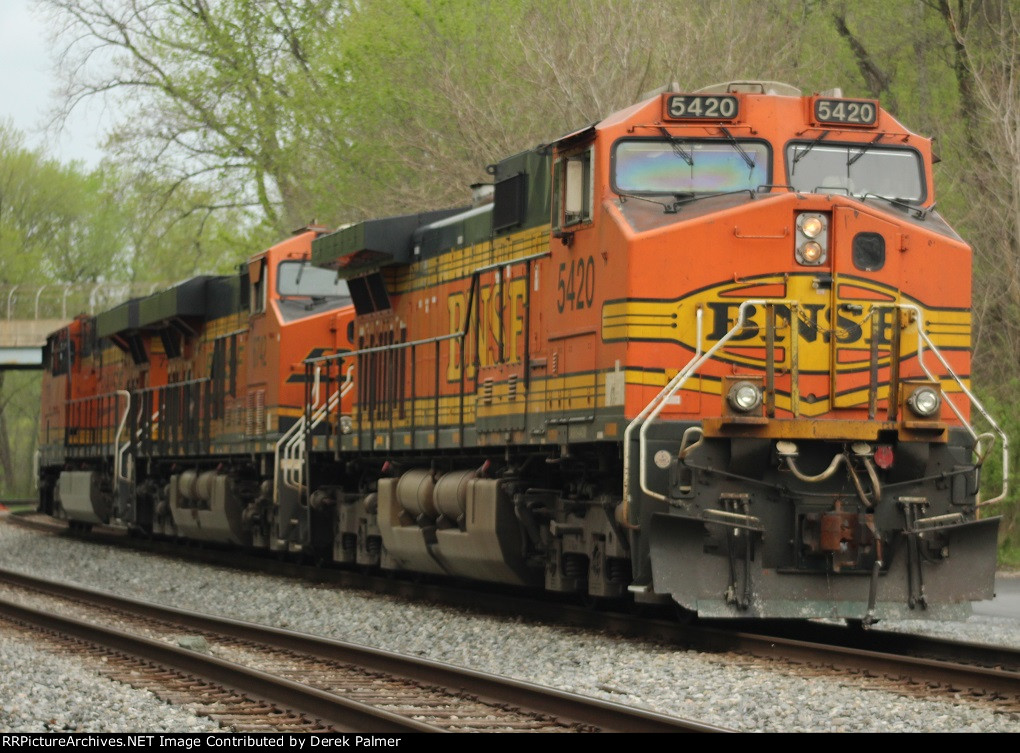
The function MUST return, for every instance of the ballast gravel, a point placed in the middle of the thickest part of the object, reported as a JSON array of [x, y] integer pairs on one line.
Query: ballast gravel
[[40, 692], [43, 692]]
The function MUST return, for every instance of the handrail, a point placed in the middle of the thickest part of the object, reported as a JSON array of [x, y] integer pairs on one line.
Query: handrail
[[295, 449], [291, 441], [297, 430], [475, 276], [673, 387], [922, 336], [118, 450], [625, 516]]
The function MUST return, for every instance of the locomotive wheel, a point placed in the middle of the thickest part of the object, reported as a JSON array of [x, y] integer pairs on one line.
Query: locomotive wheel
[[595, 603], [684, 615], [858, 625]]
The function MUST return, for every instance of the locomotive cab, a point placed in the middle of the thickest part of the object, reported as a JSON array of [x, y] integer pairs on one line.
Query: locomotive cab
[[297, 311], [820, 326]]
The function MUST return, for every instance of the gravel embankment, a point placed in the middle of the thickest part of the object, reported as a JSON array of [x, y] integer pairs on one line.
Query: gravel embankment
[[670, 680]]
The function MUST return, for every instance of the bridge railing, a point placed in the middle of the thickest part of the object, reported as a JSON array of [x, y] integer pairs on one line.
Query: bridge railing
[[66, 300]]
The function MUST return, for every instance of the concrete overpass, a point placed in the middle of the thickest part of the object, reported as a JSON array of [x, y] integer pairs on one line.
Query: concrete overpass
[[31, 312], [21, 342]]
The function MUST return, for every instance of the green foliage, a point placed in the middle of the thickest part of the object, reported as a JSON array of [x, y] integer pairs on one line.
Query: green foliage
[[46, 209], [172, 231], [1000, 404], [19, 427], [424, 93]]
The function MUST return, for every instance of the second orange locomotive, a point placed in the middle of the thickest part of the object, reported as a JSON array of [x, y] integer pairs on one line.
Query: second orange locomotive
[[714, 348]]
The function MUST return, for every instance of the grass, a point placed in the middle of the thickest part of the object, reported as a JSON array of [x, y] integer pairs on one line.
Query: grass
[[1009, 556]]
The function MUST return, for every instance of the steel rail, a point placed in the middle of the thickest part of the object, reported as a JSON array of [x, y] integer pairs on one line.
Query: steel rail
[[344, 714], [568, 708]]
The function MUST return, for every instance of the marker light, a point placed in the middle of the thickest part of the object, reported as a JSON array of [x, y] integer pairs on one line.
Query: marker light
[[744, 397], [884, 456], [924, 401]]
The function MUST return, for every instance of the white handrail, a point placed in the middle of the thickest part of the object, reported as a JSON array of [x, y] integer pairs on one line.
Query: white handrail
[[291, 442], [295, 449], [288, 453], [118, 449], [922, 336], [291, 432], [674, 386]]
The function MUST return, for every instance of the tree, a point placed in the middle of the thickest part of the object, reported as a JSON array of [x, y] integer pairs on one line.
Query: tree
[[47, 208], [425, 93], [986, 46], [171, 232], [205, 88]]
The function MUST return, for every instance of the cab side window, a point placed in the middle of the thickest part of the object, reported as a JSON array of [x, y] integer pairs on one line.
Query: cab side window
[[572, 189], [258, 285]]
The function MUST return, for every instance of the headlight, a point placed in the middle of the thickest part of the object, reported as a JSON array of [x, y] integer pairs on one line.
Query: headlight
[[812, 238], [924, 401], [744, 397], [811, 225], [811, 252]]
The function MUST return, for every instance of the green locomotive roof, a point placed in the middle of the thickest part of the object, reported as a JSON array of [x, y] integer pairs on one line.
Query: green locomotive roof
[[521, 201]]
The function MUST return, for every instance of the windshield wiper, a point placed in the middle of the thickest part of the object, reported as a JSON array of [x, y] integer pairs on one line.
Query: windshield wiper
[[800, 155], [864, 150], [906, 204], [683, 198], [736, 145], [678, 150], [644, 198], [690, 198]]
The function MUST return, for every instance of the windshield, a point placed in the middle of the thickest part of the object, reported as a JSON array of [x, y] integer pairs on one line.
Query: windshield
[[300, 278], [858, 169], [679, 166]]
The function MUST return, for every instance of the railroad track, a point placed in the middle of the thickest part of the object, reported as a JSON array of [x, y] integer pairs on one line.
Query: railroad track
[[909, 664], [271, 679]]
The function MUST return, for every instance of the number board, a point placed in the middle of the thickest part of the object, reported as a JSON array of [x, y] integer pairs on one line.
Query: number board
[[701, 107], [854, 112]]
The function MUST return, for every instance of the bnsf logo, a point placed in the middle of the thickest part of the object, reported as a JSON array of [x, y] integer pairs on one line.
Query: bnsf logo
[[815, 321], [834, 323]]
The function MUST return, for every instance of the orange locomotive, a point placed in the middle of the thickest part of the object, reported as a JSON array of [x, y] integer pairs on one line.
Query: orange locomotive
[[714, 348], [164, 413]]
